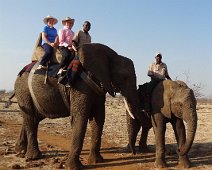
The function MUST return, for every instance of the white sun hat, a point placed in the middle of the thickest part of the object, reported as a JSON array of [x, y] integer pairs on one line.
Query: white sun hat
[[67, 19], [50, 17]]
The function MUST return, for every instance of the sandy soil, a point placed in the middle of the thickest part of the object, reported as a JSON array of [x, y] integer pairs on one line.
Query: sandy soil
[[54, 138]]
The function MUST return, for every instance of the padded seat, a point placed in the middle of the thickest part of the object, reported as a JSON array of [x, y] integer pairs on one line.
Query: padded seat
[[38, 52]]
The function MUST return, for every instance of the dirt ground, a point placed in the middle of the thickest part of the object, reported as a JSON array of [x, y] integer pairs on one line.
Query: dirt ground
[[54, 138]]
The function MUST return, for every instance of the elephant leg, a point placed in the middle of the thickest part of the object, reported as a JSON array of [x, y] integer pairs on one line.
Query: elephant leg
[[143, 140], [180, 135], [159, 125], [133, 127], [27, 141], [21, 143], [96, 123], [79, 124], [31, 128]]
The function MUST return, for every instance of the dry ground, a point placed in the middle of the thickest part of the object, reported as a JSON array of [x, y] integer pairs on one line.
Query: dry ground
[[54, 138]]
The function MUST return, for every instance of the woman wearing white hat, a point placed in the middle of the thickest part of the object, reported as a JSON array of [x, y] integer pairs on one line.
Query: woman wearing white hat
[[65, 43], [49, 40]]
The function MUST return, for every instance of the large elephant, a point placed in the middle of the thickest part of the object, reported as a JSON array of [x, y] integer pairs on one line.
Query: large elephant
[[174, 102], [38, 100]]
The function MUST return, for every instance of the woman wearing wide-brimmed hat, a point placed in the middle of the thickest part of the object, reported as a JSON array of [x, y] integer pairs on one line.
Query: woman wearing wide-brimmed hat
[[49, 40], [65, 43]]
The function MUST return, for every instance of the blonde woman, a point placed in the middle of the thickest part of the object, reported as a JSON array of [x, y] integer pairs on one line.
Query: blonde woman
[[65, 43]]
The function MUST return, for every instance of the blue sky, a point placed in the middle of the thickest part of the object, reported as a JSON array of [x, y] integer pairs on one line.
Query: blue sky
[[180, 29]]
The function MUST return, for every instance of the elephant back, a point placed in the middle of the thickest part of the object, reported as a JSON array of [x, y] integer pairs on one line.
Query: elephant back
[[38, 52]]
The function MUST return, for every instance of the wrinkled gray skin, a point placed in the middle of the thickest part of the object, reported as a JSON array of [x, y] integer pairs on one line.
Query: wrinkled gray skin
[[133, 127], [108, 67], [174, 102]]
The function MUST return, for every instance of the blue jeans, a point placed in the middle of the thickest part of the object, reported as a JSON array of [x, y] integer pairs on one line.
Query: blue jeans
[[67, 57], [47, 55]]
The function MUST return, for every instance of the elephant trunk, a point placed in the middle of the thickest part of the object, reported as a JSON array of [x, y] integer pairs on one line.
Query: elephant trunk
[[191, 130]]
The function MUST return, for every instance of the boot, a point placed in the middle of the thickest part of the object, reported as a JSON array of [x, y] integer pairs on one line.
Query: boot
[[60, 71], [72, 77]]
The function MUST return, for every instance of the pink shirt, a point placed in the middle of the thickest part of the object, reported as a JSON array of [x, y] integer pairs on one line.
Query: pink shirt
[[65, 37]]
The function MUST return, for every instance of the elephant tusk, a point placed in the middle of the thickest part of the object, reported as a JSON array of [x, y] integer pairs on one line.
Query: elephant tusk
[[128, 110]]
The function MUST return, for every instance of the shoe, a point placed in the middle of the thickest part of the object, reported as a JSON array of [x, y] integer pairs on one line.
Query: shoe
[[68, 85], [40, 67], [60, 71], [62, 79]]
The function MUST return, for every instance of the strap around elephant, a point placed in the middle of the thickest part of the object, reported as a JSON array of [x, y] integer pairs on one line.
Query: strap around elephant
[[37, 105], [91, 83]]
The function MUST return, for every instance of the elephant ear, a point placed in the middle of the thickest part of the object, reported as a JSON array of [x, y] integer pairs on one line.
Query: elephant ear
[[167, 94], [96, 59], [166, 110]]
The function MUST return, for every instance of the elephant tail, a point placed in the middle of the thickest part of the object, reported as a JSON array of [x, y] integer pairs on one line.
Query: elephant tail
[[191, 131]]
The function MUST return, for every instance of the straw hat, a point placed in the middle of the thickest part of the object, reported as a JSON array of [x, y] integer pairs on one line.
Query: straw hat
[[67, 19], [50, 17]]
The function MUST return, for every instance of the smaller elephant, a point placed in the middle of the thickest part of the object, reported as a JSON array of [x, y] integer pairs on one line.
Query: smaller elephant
[[174, 102]]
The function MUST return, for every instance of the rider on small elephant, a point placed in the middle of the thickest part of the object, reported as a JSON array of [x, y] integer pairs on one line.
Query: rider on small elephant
[[158, 72]]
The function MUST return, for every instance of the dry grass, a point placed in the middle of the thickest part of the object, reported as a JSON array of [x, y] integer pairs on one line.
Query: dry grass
[[54, 136]]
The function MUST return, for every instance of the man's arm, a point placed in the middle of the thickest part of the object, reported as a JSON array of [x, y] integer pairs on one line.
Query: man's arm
[[56, 42], [169, 78], [167, 74], [152, 74], [74, 45], [75, 40]]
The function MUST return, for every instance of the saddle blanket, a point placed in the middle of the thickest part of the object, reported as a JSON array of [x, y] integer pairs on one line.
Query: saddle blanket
[[52, 69]]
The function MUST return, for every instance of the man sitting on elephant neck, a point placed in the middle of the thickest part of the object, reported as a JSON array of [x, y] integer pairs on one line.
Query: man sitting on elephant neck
[[158, 72]]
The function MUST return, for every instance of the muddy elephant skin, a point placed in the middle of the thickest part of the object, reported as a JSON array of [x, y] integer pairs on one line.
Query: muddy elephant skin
[[174, 102], [106, 66]]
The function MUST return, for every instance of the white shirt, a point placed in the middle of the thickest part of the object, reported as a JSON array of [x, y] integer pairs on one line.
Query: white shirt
[[158, 71]]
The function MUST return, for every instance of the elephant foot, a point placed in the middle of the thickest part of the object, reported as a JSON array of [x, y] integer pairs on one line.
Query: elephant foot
[[33, 155], [159, 163], [20, 154], [20, 149], [74, 165], [184, 162], [131, 149], [95, 158]]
